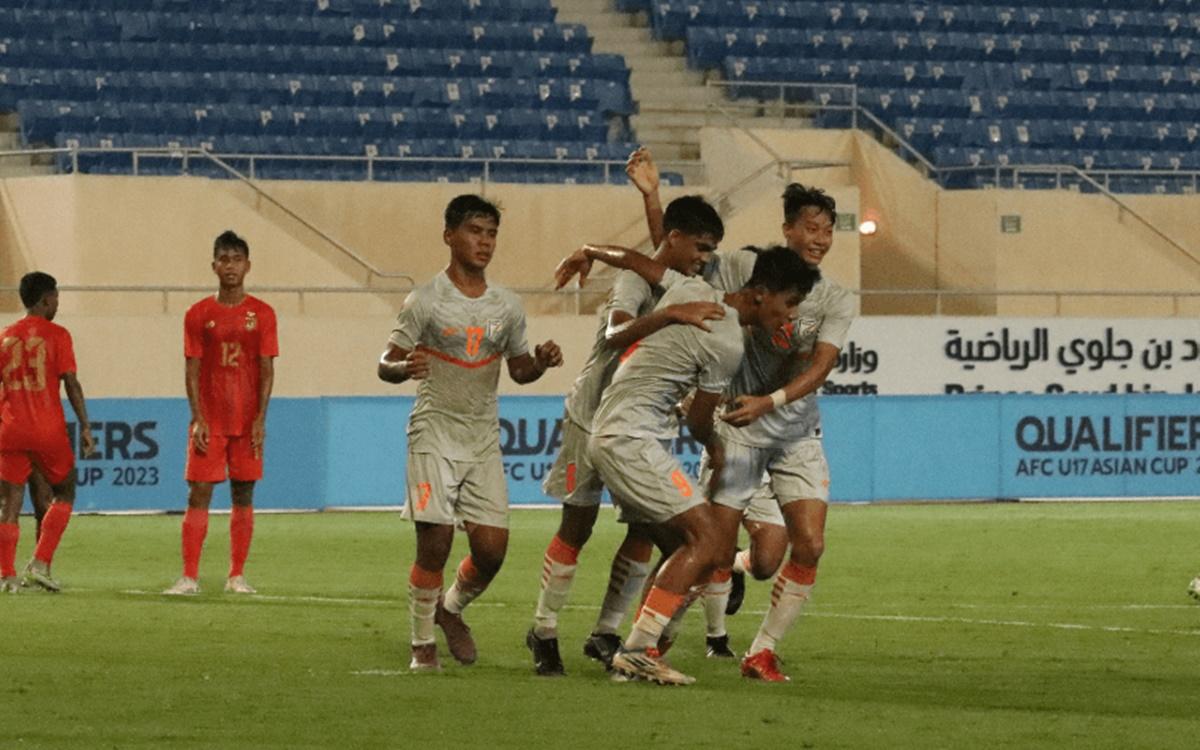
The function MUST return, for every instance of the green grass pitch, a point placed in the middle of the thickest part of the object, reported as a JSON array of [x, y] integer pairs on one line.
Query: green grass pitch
[[933, 626]]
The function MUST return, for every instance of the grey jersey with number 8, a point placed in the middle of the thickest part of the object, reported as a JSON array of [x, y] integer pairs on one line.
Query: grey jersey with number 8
[[465, 337]]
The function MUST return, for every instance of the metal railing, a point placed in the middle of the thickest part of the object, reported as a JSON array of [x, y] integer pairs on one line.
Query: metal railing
[[790, 98], [586, 300]]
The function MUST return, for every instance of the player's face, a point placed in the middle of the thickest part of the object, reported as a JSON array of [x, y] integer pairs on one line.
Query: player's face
[[777, 309], [473, 242], [810, 235], [231, 266], [50, 304], [689, 253]]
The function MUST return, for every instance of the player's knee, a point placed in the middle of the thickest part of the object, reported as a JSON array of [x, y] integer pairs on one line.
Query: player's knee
[[575, 528], [488, 563], [807, 547], [765, 564], [241, 493], [200, 495]]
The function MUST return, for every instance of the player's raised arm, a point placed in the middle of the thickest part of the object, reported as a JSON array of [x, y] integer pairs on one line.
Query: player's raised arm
[[527, 368], [580, 263], [643, 172]]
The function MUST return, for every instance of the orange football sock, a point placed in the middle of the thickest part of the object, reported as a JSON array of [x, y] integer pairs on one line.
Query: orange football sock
[[53, 526], [241, 531], [195, 528]]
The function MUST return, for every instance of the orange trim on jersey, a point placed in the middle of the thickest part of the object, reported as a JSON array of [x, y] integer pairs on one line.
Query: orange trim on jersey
[[460, 362]]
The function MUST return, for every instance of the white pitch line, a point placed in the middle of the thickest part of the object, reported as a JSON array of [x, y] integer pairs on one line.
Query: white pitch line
[[811, 613], [1006, 623]]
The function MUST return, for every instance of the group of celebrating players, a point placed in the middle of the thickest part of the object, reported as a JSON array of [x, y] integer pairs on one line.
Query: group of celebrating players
[[735, 343]]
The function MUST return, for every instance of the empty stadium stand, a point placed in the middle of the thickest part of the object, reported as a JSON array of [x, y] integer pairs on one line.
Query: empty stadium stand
[[335, 89], [1113, 85]]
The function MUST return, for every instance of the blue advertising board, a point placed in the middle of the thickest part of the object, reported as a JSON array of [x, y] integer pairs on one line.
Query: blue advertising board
[[350, 451]]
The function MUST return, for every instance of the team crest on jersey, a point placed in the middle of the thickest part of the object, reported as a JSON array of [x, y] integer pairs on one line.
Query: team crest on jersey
[[494, 327], [794, 331], [211, 324], [251, 321]]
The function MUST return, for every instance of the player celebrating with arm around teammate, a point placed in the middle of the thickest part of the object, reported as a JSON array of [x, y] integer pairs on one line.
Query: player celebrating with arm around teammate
[[35, 356], [777, 416], [692, 231], [636, 421], [230, 342], [451, 335]]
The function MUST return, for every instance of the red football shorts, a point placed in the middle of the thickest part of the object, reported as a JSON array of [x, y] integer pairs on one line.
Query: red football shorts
[[224, 451], [52, 454]]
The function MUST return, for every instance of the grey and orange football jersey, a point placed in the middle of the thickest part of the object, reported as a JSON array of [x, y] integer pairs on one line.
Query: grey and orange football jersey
[[466, 337], [825, 315], [657, 371], [630, 294]]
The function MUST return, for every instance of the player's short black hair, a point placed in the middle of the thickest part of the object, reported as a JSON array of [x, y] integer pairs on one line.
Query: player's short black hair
[[693, 215], [797, 197], [466, 207], [229, 240], [779, 269], [34, 286]]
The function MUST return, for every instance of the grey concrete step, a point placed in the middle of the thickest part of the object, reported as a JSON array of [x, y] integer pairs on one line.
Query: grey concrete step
[[643, 79], [633, 49], [619, 35], [596, 21]]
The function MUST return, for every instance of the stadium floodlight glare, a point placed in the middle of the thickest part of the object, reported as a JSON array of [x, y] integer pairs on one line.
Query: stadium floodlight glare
[[868, 228]]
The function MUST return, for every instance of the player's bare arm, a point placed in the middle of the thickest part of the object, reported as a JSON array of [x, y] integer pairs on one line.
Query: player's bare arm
[[79, 405], [822, 359], [700, 424], [624, 329], [266, 382], [529, 367], [199, 424], [580, 263], [398, 365], [643, 172]]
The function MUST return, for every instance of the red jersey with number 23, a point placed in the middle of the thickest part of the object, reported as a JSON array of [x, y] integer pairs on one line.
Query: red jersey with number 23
[[228, 341], [34, 353]]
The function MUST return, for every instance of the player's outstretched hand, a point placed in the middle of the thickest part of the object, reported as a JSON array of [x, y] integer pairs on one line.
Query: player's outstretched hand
[[200, 435], [642, 171], [416, 365], [746, 409], [577, 263], [548, 355], [696, 313]]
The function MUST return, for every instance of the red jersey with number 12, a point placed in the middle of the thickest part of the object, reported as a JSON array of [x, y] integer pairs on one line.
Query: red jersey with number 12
[[229, 341], [34, 353]]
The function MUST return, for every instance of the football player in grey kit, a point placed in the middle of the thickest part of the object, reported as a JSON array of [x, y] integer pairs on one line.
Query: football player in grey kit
[[692, 230], [775, 407], [635, 422], [451, 334]]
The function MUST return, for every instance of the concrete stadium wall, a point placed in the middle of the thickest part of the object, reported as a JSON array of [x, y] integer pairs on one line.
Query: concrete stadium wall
[[937, 239]]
